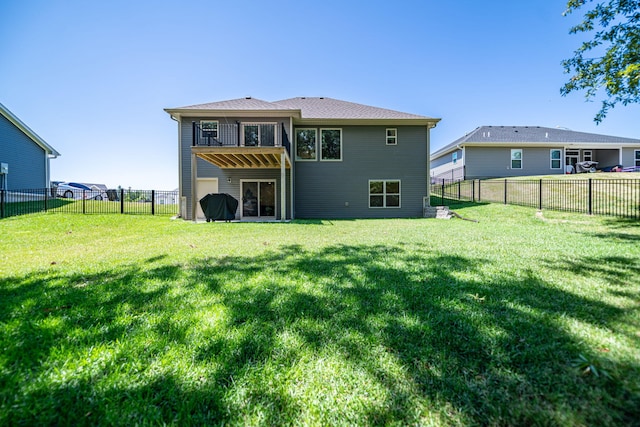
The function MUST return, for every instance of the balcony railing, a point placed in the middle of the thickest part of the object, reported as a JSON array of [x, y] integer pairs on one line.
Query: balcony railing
[[241, 134]]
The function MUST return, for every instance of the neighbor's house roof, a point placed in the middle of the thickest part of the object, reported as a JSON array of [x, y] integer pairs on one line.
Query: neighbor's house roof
[[27, 131], [303, 110], [532, 136]]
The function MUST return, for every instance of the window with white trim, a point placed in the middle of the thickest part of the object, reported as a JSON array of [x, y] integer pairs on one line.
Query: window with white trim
[[384, 193], [392, 136], [587, 155], [454, 157], [556, 158], [331, 144], [306, 144], [637, 158], [516, 158]]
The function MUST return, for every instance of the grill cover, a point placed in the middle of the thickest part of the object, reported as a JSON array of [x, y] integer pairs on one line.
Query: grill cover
[[219, 206]]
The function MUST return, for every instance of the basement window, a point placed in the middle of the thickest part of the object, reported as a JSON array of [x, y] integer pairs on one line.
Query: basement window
[[384, 193]]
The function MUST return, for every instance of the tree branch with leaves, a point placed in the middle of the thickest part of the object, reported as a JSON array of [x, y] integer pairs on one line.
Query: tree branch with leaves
[[607, 65]]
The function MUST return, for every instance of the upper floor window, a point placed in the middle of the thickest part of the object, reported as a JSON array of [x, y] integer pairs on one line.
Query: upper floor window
[[556, 159], [392, 136], [454, 157], [331, 144], [516, 158], [306, 144]]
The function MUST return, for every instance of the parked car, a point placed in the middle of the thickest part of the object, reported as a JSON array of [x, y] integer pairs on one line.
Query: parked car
[[75, 190], [586, 166], [614, 168]]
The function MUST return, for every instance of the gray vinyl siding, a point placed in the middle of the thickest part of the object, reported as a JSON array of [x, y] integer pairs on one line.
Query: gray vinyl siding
[[27, 160], [443, 166], [628, 157], [447, 158], [208, 170], [341, 189], [490, 162]]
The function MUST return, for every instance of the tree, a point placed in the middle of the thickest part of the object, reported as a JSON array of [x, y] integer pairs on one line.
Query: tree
[[617, 39]]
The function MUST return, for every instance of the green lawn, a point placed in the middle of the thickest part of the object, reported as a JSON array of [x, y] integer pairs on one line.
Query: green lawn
[[520, 319]]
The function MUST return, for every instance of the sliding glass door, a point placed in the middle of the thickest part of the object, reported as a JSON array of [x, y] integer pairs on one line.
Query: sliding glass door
[[258, 199]]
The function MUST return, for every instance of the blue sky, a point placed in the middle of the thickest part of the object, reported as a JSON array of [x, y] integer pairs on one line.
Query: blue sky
[[92, 78]]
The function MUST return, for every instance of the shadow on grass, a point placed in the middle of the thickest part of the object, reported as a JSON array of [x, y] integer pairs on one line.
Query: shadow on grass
[[618, 222], [454, 203], [24, 208], [349, 334]]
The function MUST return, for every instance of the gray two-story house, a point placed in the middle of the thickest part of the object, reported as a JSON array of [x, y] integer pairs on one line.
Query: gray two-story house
[[24, 156], [506, 151], [303, 158]]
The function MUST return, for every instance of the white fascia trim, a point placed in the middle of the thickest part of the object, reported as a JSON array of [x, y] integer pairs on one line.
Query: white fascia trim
[[179, 113], [431, 123]]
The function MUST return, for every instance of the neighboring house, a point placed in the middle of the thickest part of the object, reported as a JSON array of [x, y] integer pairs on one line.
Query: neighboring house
[[24, 156], [505, 151], [303, 158]]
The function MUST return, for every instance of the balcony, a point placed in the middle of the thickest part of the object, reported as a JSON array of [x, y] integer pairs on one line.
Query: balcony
[[241, 145]]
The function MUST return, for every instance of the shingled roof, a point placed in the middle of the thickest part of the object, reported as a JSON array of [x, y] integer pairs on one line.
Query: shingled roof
[[305, 109], [247, 103], [533, 135], [329, 108]]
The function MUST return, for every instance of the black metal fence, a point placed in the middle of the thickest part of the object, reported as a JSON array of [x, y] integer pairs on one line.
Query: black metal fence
[[613, 197], [138, 202]]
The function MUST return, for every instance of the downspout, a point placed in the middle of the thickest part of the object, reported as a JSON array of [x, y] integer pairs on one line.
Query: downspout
[[428, 200], [47, 182], [464, 162]]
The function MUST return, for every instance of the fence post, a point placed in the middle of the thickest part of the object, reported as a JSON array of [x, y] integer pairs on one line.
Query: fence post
[[84, 199], [1, 203], [122, 200], [540, 196], [479, 195], [442, 194], [153, 202], [590, 196], [459, 195], [473, 190], [46, 198], [505, 191]]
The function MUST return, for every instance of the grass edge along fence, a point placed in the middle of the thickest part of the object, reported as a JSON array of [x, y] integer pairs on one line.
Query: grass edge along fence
[[610, 197], [136, 202]]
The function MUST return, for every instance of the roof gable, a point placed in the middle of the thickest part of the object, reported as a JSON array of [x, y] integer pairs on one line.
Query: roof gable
[[27, 131]]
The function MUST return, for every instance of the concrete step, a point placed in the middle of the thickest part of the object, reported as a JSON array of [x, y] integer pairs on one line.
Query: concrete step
[[440, 212]]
